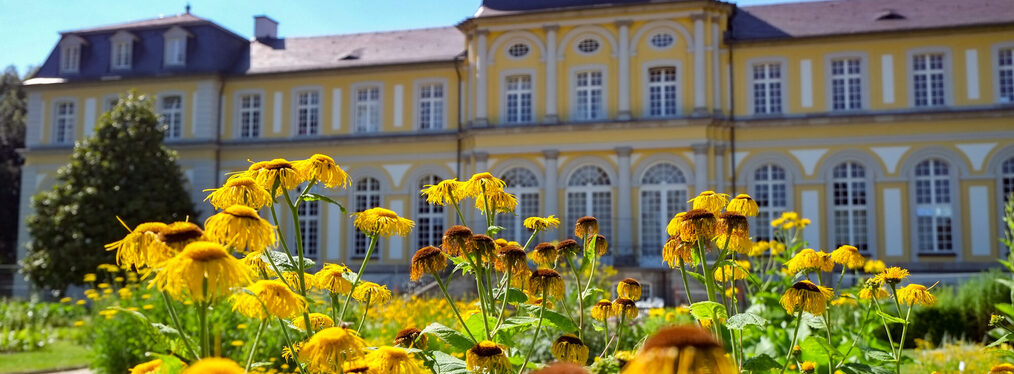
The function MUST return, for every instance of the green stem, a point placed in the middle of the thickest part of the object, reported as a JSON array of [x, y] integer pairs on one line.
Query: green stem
[[334, 305], [840, 277], [861, 327], [443, 288], [300, 266], [580, 298], [359, 275], [883, 320], [901, 343], [795, 335], [606, 348], [708, 279], [202, 317], [366, 309], [595, 256], [174, 317], [827, 318], [538, 328], [530, 239], [288, 342], [503, 305], [253, 348], [686, 285], [619, 331]]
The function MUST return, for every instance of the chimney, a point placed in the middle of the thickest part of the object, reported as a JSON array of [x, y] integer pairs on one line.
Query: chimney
[[265, 28]]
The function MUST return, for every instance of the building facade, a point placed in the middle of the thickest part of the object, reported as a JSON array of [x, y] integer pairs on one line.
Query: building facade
[[887, 123]]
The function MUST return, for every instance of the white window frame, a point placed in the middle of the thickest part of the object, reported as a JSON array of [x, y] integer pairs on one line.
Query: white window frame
[[361, 201], [121, 51], [863, 76], [773, 211], [523, 194], [510, 44], [666, 208], [175, 47], [66, 121], [418, 86], [166, 115], [423, 210], [997, 49], [783, 80], [70, 54], [646, 91], [953, 194], [317, 109], [606, 224], [850, 208], [580, 38], [661, 31], [310, 225], [239, 111], [355, 103], [947, 71], [505, 95], [603, 112]]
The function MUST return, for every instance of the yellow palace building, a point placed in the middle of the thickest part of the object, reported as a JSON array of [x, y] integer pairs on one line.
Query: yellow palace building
[[888, 123]]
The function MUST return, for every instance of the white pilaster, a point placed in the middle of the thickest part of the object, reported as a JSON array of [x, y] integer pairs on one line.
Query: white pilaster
[[399, 101], [811, 210], [551, 206], [396, 244], [34, 120], [624, 59], [716, 77], [720, 168], [89, 116], [551, 84], [700, 77], [887, 71], [481, 117], [978, 201], [625, 242], [276, 113], [892, 222], [481, 161], [336, 110], [700, 167], [332, 240], [806, 83], [972, 73]]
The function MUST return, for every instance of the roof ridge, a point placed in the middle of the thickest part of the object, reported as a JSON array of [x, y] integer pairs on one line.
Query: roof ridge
[[135, 21], [370, 32]]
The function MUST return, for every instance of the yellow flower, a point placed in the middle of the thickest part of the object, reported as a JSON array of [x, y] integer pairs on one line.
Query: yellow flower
[[675, 251], [79, 323], [241, 326], [202, 263], [257, 265], [174, 237], [546, 281], [848, 256], [568, 348], [499, 202], [90, 277], [482, 248], [891, 275], [808, 260], [239, 190], [383, 222], [874, 266], [1004, 368], [277, 298], [323, 169], [103, 285], [544, 255], [743, 204], [542, 224], [242, 228], [150, 367], [625, 308], [147, 307], [710, 201], [916, 294], [844, 299], [728, 273], [331, 278], [328, 349], [292, 279], [685, 349], [214, 365], [279, 171], [482, 182], [759, 248], [586, 227], [673, 228], [738, 240], [602, 310], [457, 239], [427, 260], [601, 245], [807, 367], [318, 321], [447, 191], [65, 300], [393, 360], [806, 296], [371, 293], [867, 292], [777, 247], [137, 249], [236, 343], [411, 338], [511, 258], [487, 357], [698, 225], [81, 302], [629, 288]]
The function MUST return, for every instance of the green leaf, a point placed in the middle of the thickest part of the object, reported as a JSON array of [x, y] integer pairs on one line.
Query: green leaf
[[813, 343], [515, 295], [709, 309], [1008, 265], [517, 322], [889, 318], [697, 276], [459, 341], [475, 325], [879, 356], [493, 230], [741, 320], [815, 322], [282, 260], [1006, 282], [1003, 339], [591, 294], [315, 197], [1007, 309], [552, 318], [761, 363], [447, 364], [854, 368], [165, 330]]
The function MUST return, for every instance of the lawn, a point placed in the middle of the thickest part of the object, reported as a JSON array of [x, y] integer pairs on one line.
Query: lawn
[[56, 356]]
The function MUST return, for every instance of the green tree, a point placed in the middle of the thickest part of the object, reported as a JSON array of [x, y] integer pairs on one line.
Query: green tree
[[123, 171], [12, 137]]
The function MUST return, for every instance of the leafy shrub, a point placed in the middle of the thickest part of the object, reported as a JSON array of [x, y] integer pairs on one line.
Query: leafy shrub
[[962, 312], [28, 326]]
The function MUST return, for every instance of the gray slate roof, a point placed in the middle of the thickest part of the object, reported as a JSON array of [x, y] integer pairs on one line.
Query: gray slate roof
[[352, 50], [808, 19], [176, 19]]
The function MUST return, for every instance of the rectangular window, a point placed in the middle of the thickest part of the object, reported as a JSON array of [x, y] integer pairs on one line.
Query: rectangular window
[[662, 100], [846, 84], [519, 99], [309, 227], [308, 113], [588, 96], [1005, 67], [367, 109], [767, 88], [928, 79], [70, 59], [63, 123], [250, 116], [171, 111], [431, 106], [122, 54], [176, 51]]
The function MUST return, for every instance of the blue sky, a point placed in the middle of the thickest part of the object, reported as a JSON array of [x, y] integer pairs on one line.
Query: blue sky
[[30, 28]]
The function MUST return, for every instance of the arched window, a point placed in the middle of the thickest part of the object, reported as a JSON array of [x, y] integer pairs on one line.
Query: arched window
[[770, 191], [663, 194], [366, 195], [589, 194], [429, 219], [933, 206], [1007, 178], [849, 204], [525, 186]]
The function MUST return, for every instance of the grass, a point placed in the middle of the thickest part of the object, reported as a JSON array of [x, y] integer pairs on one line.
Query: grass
[[56, 356]]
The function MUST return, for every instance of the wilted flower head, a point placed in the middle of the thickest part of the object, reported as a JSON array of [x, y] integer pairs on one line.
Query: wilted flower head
[[383, 222], [569, 348], [204, 270], [427, 260], [271, 295], [139, 248], [456, 240], [629, 288], [487, 357], [332, 278], [240, 190], [685, 349], [544, 255], [242, 228], [322, 168], [743, 204], [806, 296], [546, 281], [586, 227], [710, 201]]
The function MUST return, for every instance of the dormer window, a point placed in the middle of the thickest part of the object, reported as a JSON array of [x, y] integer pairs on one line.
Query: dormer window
[[70, 54], [176, 46], [122, 50]]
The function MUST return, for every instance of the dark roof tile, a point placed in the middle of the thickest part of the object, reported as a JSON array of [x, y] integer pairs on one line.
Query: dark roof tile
[[145, 23]]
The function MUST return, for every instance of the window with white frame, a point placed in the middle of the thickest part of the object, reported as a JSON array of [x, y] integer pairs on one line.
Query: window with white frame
[[770, 190], [849, 203], [429, 223], [928, 79], [663, 194], [933, 206], [518, 50], [1005, 74], [250, 116], [176, 51], [767, 88], [431, 106], [846, 84], [1007, 178], [662, 40], [171, 111], [367, 109], [588, 46], [309, 227], [518, 99], [123, 54], [662, 89], [589, 193], [588, 96], [64, 119], [70, 58], [524, 185], [307, 112], [365, 196]]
